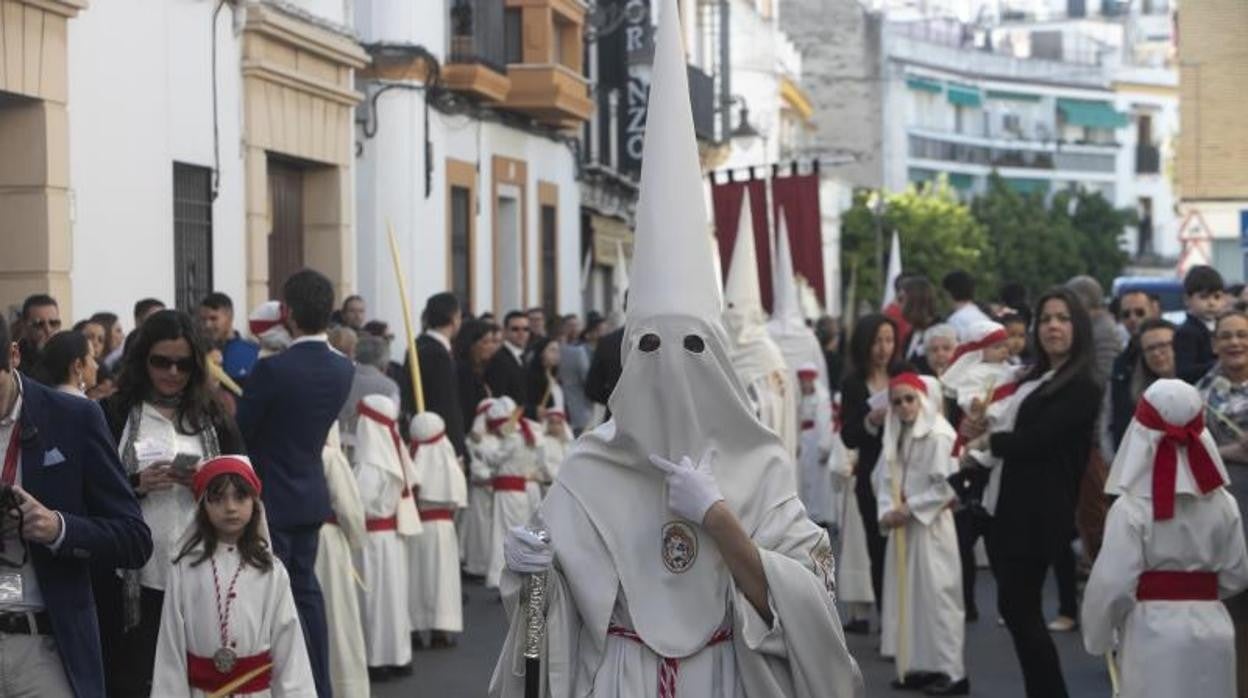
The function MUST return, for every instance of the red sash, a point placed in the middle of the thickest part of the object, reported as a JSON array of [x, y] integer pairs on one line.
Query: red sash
[[437, 515], [203, 675], [1173, 585], [808, 424], [669, 667], [390, 523], [509, 483]]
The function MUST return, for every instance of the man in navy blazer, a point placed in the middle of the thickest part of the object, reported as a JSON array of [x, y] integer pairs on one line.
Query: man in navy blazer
[[77, 510], [290, 402]]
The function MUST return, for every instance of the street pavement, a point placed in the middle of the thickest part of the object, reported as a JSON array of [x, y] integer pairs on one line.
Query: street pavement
[[464, 671]]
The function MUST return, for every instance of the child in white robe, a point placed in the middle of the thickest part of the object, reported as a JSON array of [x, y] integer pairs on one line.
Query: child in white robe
[[1173, 547], [229, 620], [476, 527], [386, 477], [512, 458], [979, 367], [434, 600], [814, 446], [342, 534], [922, 606], [556, 439]]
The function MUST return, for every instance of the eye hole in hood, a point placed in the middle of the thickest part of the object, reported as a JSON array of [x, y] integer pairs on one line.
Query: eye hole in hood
[[649, 342], [694, 344]]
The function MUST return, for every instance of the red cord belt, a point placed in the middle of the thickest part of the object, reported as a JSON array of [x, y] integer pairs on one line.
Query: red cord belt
[[669, 667]]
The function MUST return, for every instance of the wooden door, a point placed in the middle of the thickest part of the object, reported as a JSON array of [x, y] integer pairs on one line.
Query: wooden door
[[286, 235]]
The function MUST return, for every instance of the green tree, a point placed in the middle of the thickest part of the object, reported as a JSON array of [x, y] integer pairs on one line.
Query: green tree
[[937, 234], [1099, 230]]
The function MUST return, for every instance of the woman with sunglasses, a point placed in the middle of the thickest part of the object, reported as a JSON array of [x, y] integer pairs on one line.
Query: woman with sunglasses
[[166, 421]]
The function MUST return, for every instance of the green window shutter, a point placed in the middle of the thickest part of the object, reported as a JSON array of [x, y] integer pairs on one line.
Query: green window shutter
[[1013, 96], [924, 84], [963, 96], [1028, 186]]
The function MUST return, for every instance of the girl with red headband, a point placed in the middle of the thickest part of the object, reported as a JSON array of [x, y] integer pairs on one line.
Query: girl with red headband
[[922, 623], [512, 451], [229, 624], [1173, 548]]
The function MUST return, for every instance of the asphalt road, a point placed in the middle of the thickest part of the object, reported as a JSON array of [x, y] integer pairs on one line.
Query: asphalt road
[[465, 670]]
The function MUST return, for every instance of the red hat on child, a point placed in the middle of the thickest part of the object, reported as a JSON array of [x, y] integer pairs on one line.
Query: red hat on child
[[224, 465]]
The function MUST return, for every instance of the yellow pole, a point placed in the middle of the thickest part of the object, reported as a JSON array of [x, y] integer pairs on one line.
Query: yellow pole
[[1113, 673], [223, 378], [417, 389], [899, 538]]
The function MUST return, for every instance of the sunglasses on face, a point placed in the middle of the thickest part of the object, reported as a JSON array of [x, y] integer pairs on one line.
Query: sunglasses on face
[[53, 324], [904, 400], [1133, 312], [164, 363]]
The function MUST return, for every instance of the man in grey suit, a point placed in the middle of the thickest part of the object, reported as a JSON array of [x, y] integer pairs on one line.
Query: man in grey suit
[[371, 356]]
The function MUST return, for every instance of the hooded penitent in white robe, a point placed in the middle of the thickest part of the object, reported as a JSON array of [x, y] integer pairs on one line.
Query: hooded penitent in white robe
[[1174, 647], [476, 523], [433, 556], [631, 583], [335, 571], [923, 615], [262, 618], [814, 450], [759, 363], [385, 476], [787, 326], [512, 456]]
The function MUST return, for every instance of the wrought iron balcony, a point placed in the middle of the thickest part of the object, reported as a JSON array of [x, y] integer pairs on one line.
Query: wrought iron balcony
[[1147, 159]]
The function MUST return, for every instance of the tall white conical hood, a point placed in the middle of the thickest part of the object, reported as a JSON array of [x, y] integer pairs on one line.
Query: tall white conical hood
[[787, 326], [672, 271], [743, 303]]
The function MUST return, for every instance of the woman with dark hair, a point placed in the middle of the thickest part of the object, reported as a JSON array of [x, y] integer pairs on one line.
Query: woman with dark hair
[[1043, 460], [873, 358], [67, 364], [114, 339], [474, 347], [545, 391], [920, 311], [166, 421]]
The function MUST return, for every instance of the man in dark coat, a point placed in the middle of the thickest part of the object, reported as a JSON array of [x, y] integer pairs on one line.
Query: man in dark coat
[[441, 319], [505, 373]]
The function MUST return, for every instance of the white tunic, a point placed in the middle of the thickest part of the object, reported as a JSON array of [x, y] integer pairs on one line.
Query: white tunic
[[476, 523], [814, 481], [335, 571], [512, 457], [383, 566], [853, 564], [262, 617], [924, 627], [435, 601], [793, 658], [1167, 648]]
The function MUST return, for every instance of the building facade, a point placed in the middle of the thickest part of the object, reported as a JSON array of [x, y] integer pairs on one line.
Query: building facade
[[227, 170], [1213, 146], [466, 148]]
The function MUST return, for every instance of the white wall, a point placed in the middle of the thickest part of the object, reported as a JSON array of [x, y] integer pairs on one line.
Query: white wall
[[140, 99]]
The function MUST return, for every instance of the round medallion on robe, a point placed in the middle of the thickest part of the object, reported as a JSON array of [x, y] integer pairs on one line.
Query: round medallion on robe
[[680, 546]]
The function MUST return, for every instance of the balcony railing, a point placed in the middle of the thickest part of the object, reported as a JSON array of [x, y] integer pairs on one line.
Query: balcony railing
[[1147, 159], [477, 34]]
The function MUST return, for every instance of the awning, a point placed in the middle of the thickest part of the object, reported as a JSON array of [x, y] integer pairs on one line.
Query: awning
[[961, 180], [924, 84], [1028, 186], [796, 98], [1090, 114], [1013, 96], [963, 95]]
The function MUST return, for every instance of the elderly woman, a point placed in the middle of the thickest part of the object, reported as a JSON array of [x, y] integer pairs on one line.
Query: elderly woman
[[939, 343], [1225, 391]]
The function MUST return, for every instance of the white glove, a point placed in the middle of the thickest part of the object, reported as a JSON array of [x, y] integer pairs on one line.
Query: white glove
[[525, 552], [690, 490]]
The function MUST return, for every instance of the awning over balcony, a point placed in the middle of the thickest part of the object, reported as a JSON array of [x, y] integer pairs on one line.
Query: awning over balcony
[[924, 84], [1013, 96], [1091, 114], [1028, 186], [963, 95], [961, 180]]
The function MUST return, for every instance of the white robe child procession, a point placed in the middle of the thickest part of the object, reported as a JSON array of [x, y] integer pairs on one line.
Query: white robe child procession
[[386, 477], [556, 439], [335, 572], [512, 458], [255, 611], [923, 619], [815, 449], [853, 563], [433, 556], [641, 603], [476, 523], [978, 367], [1173, 547]]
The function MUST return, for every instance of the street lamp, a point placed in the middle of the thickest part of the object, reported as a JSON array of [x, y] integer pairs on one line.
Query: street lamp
[[745, 129]]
